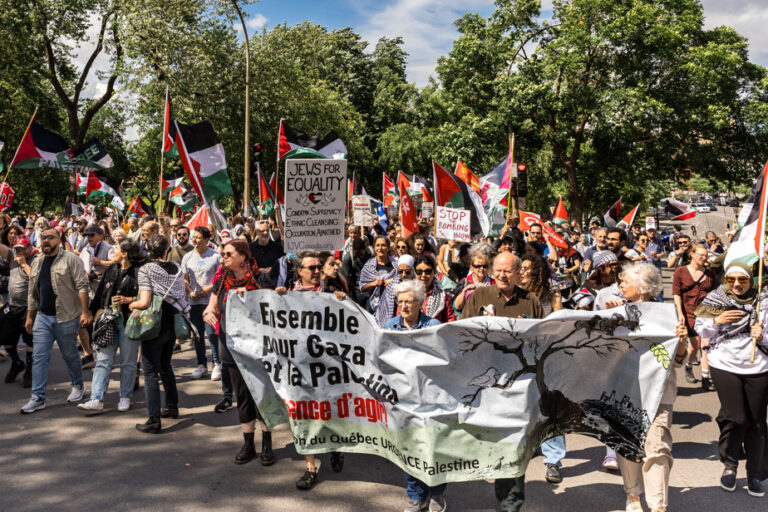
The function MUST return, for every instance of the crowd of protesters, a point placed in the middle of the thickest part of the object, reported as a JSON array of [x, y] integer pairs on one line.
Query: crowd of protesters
[[63, 278]]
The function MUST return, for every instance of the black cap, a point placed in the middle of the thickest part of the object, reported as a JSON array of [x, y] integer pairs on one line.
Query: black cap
[[93, 229]]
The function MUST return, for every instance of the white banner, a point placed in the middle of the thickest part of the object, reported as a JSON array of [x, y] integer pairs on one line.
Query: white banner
[[452, 224], [650, 222], [466, 400], [315, 203]]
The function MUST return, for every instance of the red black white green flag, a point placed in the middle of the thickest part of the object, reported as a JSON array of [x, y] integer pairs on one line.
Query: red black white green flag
[[99, 186], [453, 192], [560, 216], [202, 157], [613, 214], [629, 218], [749, 242], [267, 198], [678, 209], [41, 148], [275, 186], [172, 181], [388, 191], [168, 146], [294, 143], [421, 184]]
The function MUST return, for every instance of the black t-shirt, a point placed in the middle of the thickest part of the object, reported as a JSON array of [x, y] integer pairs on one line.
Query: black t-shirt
[[266, 255], [45, 287]]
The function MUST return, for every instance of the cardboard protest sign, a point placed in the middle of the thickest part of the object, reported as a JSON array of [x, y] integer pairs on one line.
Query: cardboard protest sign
[[453, 224], [361, 211], [427, 209], [466, 400], [315, 203], [650, 223]]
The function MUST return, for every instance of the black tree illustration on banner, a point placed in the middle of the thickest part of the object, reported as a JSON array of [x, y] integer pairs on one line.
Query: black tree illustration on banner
[[618, 423]]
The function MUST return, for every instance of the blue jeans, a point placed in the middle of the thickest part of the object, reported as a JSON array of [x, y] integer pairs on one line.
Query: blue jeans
[[554, 450], [419, 491], [129, 349], [196, 316], [46, 329]]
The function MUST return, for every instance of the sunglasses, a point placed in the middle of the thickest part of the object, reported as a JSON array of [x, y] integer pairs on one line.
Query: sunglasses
[[479, 266], [227, 254], [422, 271], [313, 268], [740, 279], [406, 272]]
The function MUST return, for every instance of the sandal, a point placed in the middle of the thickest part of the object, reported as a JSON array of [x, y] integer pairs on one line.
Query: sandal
[[307, 480]]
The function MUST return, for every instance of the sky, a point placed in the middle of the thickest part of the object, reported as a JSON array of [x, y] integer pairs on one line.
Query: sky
[[427, 25]]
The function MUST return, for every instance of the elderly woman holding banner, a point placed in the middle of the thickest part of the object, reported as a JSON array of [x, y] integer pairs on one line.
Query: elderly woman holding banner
[[733, 317], [641, 282], [410, 299]]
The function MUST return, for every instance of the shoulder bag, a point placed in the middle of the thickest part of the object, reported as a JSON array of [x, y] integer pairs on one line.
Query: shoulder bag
[[144, 324]]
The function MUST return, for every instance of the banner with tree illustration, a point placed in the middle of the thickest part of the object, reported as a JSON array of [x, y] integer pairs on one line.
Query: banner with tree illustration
[[462, 401]]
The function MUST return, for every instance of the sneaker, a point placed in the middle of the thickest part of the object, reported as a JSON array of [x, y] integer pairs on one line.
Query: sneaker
[[34, 404], [695, 361], [728, 480], [634, 504], [76, 394], [88, 361], [200, 372], [416, 506], [707, 384], [689, 377], [553, 474], [123, 405], [216, 372], [755, 488], [92, 405], [610, 463], [223, 406], [337, 461], [16, 368], [437, 504]]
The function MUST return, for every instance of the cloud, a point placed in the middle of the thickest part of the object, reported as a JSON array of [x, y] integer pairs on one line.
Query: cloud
[[258, 21], [426, 27], [748, 17]]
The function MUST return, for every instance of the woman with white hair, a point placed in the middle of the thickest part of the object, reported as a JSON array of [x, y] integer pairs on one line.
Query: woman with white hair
[[387, 307], [728, 317], [641, 282], [410, 298]]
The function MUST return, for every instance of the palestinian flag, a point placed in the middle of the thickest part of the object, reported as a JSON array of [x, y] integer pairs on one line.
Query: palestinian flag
[[291, 142], [679, 209], [100, 186], [186, 200], [463, 172], [629, 218], [749, 242], [81, 184], [561, 216], [118, 203], [611, 217], [140, 207], [275, 186], [388, 191], [200, 218], [402, 182], [41, 148], [267, 198], [93, 155], [452, 192], [424, 187], [168, 146], [202, 157], [171, 182], [408, 217]]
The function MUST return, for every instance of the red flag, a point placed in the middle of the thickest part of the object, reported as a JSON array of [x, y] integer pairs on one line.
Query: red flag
[[463, 172], [506, 180], [169, 128], [200, 218], [6, 196], [629, 218], [560, 216], [527, 219], [402, 181], [141, 208], [408, 219]]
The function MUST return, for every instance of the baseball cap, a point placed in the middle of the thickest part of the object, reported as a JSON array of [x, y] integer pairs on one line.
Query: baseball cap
[[21, 241], [93, 229]]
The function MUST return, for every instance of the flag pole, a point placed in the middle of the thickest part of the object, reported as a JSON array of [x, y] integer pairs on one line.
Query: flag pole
[[247, 155], [162, 166], [511, 170], [759, 291]]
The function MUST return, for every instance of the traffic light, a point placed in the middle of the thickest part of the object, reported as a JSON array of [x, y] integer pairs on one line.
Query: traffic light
[[522, 180], [257, 152]]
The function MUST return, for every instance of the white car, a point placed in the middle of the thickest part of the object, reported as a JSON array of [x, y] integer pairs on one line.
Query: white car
[[702, 207]]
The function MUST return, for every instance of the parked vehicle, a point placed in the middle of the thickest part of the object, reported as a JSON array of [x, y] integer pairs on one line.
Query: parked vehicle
[[733, 202], [702, 207], [712, 207]]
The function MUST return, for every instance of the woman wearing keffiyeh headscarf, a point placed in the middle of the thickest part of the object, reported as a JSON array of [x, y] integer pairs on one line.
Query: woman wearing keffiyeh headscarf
[[728, 316]]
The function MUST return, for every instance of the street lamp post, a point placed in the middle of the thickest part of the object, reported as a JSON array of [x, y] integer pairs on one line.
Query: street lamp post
[[247, 151]]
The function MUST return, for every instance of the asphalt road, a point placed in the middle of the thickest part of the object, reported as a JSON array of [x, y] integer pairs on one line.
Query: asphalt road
[[63, 459]]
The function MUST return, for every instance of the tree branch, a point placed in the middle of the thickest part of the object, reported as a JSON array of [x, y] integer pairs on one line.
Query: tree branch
[[92, 58]]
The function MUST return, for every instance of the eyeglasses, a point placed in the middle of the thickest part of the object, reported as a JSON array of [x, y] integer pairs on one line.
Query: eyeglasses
[[48, 237], [740, 279], [406, 272], [422, 271], [313, 268]]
